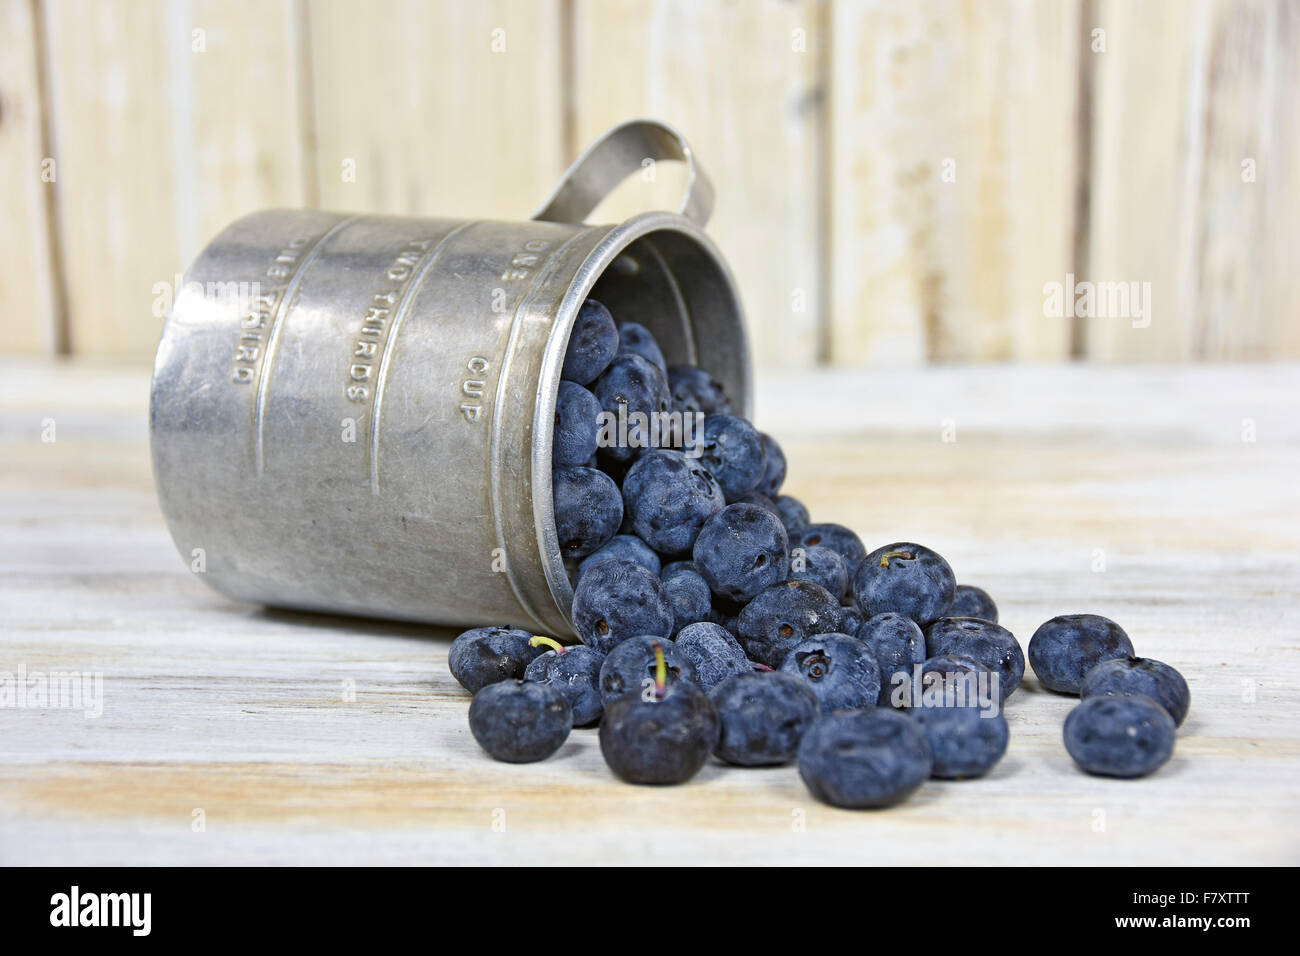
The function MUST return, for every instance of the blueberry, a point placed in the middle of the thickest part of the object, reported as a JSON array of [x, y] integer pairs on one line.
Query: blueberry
[[1065, 648], [633, 394], [1140, 675], [982, 641], [1129, 736], [965, 741], [865, 758], [630, 667], [834, 536], [588, 509], [725, 619], [617, 600], [681, 563], [853, 618], [773, 467], [592, 343], [755, 498], [897, 644], [740, 551], [625, 546], [792, 513], [731, 449], [906, 578], [821, 566], [696, 391], [839, 669], [519, 721], [970, 601], [689, 595], [485, 655], [669, 497], [713, 652], [763, 716], [635, 339], [577, 425], [575, 673], [661, 735], [780, 617]]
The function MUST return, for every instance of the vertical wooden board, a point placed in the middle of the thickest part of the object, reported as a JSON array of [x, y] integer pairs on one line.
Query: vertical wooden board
[[1280, 235], [27, 290], [239, 145], [437, 108], [953, 161], [1249, 193], [1187, 93], [741, 81], [161, 140], [1044, 160], [1148, 144]]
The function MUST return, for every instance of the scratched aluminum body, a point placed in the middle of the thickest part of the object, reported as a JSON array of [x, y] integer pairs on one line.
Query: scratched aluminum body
[[353, 414]]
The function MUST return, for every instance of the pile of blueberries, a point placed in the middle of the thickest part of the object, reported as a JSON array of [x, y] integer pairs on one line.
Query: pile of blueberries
[[717, 618]]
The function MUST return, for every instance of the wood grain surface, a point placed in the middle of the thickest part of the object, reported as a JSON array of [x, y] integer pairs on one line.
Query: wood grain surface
[[305, 739]]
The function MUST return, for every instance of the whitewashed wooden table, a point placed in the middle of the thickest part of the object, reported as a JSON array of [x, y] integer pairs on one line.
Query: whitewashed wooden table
[[234, 734]]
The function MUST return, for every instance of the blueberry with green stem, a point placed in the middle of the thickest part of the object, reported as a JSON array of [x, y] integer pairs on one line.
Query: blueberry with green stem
[[907, 578], [574, 672], [661, 736], [630, 666]]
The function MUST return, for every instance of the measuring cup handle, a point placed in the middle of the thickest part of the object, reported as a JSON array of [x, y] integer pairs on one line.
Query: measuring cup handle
[[615, 156]]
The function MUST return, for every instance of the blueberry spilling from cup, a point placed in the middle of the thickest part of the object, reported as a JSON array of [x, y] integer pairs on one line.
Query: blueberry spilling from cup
[[717, 618]]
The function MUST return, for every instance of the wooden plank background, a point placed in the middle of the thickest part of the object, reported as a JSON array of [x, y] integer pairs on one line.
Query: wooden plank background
[[897, 181]]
